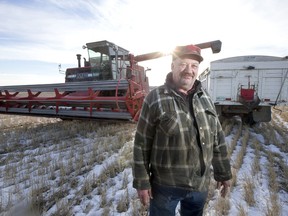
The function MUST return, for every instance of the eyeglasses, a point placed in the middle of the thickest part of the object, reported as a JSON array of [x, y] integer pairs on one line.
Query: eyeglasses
[[184, 65]]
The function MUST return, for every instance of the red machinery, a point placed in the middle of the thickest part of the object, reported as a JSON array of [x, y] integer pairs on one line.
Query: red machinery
[[111, 85]]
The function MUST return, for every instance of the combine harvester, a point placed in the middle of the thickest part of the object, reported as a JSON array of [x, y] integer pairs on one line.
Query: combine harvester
[[247, 86], [110, 85]]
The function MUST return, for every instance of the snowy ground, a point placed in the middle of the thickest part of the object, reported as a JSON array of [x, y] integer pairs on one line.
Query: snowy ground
[[53, 167]]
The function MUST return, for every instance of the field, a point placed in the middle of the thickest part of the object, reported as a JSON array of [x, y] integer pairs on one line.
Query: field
[[54, 167]]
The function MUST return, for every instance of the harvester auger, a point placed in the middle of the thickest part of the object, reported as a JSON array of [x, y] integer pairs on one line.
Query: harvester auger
[[110, 85]]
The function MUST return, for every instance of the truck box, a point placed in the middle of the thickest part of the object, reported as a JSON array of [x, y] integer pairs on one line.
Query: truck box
[[247, 85]]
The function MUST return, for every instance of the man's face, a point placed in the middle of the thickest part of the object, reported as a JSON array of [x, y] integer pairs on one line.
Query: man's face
[[185, 72]]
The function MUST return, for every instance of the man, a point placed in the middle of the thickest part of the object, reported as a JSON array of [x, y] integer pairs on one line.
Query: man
[[177, 140]]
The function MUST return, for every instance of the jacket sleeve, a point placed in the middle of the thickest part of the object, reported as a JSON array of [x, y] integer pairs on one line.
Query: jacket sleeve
[[221, 160], [142, 147]]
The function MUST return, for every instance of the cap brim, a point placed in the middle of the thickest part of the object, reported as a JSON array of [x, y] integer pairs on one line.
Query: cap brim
[[192, 56]]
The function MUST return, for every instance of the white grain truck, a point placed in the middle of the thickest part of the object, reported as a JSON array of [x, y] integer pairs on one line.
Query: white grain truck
[[247, 86]]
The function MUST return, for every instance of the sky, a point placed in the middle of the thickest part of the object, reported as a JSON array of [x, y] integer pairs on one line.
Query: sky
[[36, 36]]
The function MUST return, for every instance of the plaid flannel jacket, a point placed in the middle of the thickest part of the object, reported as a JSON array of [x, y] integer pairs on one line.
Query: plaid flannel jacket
[[173, 147]]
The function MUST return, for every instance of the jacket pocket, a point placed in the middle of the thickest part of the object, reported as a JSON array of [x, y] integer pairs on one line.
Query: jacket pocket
[[211, 112], [169, 123], [207, 123]]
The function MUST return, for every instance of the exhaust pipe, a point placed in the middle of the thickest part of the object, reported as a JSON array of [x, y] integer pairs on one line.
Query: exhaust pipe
[[79, 59]]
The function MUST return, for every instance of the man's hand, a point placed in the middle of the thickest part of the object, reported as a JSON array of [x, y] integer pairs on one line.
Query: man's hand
[[145, 196], [224, 187]]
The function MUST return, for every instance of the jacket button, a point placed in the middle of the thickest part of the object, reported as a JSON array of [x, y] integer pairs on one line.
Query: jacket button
[[203, 143]]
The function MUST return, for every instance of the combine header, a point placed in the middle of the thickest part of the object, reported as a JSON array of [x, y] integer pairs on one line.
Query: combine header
[[110, 85]]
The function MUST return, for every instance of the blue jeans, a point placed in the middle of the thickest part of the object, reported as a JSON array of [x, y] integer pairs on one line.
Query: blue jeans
[[165, 200]]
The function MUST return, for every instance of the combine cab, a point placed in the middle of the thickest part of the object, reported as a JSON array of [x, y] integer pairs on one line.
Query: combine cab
[[110, 85]]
